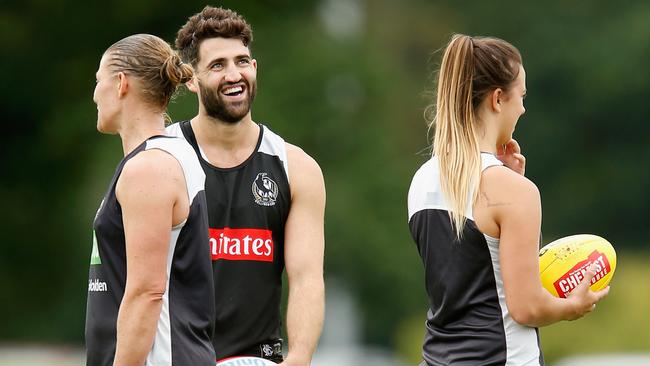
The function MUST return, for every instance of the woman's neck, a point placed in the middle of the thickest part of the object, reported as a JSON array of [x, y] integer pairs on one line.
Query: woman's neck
[[138, 126], [488, 134]]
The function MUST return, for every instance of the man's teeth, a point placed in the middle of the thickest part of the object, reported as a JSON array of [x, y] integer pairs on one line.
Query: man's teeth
[[233, 90]]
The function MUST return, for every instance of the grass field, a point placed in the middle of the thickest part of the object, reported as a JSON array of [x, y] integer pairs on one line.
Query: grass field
[[32, 355]]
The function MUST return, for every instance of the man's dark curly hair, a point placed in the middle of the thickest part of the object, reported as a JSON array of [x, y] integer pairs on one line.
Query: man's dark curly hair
[[211, 22]]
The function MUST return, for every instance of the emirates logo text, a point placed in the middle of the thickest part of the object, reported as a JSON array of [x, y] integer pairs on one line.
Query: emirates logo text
[[241, 244]]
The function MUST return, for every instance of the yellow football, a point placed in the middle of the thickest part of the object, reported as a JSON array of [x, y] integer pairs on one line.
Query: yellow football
[[563, 263]]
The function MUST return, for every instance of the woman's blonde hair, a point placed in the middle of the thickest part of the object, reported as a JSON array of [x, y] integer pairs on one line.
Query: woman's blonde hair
[[153, 62], [471, 68]]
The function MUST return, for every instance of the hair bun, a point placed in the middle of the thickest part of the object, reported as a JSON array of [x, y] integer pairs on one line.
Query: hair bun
[[175, 70], [186, 71]]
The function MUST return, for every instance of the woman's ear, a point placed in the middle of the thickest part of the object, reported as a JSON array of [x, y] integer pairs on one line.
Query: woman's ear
[[123, 85], [496, 97]]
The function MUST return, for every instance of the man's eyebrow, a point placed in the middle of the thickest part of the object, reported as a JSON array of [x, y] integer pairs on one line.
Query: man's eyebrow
[[218, 59]]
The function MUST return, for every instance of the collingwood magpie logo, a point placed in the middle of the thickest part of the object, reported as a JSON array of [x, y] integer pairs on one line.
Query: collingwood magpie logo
[[265, 190]]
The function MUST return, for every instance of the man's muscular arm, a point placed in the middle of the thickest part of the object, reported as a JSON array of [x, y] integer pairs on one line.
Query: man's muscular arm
[[304, 251]]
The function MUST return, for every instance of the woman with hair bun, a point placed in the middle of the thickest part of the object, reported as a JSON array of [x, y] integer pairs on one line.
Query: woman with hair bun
[[476, 219], [150, 299]]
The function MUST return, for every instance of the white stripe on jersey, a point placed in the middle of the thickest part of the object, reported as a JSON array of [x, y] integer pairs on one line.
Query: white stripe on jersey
[[518, 337], [273, 144]]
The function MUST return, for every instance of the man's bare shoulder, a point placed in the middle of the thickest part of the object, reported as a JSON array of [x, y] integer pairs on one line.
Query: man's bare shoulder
[[300, 162], [305, 175]]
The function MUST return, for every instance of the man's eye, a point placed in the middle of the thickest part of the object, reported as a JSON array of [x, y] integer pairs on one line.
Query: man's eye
[[217, 65], [244, 61]]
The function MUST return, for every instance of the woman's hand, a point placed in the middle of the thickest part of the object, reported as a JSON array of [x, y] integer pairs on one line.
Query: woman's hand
[[584, 300], [510, 155]]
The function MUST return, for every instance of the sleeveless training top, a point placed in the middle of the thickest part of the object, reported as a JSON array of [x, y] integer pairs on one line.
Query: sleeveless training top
[[468, 322], [248, 207], [183, 334]]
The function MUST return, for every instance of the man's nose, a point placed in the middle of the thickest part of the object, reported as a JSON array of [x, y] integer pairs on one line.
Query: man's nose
[[232, 74]]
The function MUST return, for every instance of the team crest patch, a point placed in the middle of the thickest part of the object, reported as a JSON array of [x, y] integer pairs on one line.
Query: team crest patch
[[269, 350], [265, 190]]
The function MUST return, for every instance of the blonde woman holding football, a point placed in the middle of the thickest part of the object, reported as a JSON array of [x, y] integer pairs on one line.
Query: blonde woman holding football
[[476, 219]]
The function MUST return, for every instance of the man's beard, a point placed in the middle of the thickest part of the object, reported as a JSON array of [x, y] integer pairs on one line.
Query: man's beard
[[232, 113]]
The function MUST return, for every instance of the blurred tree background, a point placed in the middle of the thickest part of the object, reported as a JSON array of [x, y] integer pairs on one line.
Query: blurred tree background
[[347, 80]]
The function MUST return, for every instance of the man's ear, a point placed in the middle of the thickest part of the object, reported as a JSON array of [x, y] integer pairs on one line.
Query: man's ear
[[123, 84], [192, 85], [496, 97]]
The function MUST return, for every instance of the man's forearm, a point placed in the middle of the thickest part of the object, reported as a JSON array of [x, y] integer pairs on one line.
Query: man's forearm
[[305, 314]]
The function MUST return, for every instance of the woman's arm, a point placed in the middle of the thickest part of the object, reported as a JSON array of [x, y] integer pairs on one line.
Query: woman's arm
[[147, 190], [509, 207]]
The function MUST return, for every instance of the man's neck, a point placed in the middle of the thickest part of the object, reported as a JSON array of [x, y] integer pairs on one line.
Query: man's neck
[[226, 144]]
